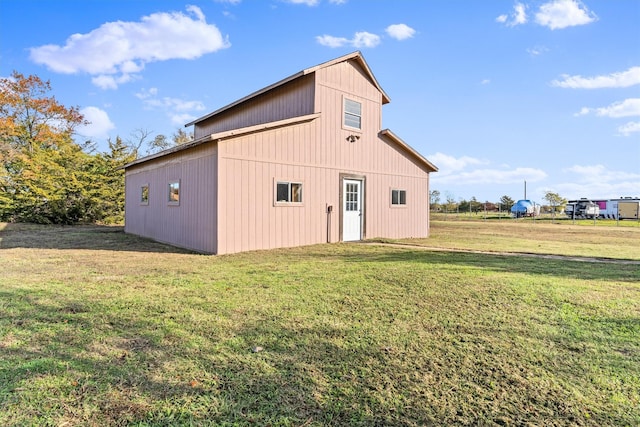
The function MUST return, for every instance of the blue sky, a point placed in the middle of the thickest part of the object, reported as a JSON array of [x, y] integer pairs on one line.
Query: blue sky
[[494, 93]]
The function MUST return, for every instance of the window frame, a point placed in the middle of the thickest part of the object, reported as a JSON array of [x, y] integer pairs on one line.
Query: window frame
[[401, 198], [144, 195], [346, 99], [290, 195], [170, 202]]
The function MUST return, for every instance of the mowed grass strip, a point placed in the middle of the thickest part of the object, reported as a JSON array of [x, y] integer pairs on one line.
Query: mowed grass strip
[[537, 237], [101, 328]]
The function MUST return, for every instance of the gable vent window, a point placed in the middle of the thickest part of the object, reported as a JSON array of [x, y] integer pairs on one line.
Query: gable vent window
[[398, 197], [288, 192], [352, 114]]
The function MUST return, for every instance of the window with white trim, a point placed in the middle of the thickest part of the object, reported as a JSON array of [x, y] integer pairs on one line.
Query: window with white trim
[[398, 197], [144, 194], [352, 114], [174, 193], [288, 192]]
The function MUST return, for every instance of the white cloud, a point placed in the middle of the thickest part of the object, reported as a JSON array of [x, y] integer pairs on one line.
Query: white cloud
[[595, 173], [517, 17], [360, 39], [331, 41], [491, 176], [306, 2], [181, 118], [99, 123], [112, 82], [447, 164], [558, 14], [147, 93], [177, 104], [485, 82], [470, 171], [627, 78], [400, 31], [629, 128], [596, 181], [538, 50], [627, 108], [179, 111], [520, 14], [116, 51], [364, 39]]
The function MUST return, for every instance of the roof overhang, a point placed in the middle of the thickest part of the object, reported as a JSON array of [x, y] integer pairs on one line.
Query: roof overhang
[[224, 135], [409, 150]]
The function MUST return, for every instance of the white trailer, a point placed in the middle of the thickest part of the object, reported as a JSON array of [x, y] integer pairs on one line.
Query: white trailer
[[583, 208], [621, 208]]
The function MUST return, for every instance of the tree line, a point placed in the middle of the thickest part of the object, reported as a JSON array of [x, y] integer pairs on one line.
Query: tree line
[[48, 178], [555, 203]]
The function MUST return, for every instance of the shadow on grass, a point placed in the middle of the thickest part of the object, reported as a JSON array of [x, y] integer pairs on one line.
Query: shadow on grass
[[73, 362], [535, 265], [82, 362], [90, 237]]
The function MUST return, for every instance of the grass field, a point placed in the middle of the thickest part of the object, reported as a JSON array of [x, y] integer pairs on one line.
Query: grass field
[[98, 328]]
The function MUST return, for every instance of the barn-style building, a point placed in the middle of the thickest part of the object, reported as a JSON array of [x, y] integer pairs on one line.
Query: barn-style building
[[300, 162]]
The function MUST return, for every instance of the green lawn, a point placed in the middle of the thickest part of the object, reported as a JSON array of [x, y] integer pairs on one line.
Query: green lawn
[[101, 328]]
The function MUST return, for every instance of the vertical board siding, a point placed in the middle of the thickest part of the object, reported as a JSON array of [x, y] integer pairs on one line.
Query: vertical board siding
[[191, 224], [227, 188], [316, 153], [381, 161], [260, 224], [290, 100]]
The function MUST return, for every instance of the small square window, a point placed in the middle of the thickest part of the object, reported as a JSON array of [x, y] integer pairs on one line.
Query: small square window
[[398, 197], [144, 194], [288, 192], [174, 193], [352, 114]]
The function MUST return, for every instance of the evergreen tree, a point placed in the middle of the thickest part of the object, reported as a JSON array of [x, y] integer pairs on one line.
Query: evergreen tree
[[45, 177], [110, 190], [506, 203]]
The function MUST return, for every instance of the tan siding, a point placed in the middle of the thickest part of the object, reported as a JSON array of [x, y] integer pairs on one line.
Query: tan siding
[[381, 162], [239, 210], [290, 153], [192, 224], [290, 100], [260, 224]]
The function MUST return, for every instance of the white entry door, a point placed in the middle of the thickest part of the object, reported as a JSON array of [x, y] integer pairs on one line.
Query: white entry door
[[351, 210]]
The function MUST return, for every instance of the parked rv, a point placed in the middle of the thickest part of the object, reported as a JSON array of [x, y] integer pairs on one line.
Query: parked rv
[[583, 208], [622, 208]]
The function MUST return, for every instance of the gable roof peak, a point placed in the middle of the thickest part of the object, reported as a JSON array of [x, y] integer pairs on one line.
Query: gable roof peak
[[359, 58], [353, 56]]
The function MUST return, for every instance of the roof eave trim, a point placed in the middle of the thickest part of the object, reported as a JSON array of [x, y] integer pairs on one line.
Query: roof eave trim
[[261, 127], [168, 151], [409, 149]]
